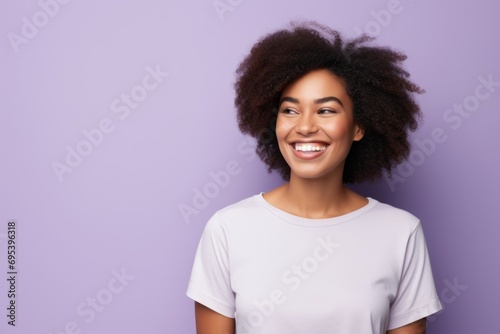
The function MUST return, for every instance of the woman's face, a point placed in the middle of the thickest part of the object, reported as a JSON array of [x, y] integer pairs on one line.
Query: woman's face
[[315, 126]]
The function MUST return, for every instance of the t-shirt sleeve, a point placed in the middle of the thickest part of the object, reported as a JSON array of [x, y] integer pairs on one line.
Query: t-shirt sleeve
[[210, 282], [416, 297]]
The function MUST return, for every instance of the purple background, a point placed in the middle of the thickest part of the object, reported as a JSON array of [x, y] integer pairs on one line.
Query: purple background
[[119, 208]]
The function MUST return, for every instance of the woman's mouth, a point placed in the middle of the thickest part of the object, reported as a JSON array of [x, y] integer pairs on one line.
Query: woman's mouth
[[308, 151], [309, 147]]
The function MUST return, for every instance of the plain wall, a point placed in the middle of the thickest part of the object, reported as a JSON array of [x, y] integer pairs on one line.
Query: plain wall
[[102, 244]]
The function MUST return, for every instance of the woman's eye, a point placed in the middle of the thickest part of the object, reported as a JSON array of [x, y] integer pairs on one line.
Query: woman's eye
[[327, 111], [288, 111]]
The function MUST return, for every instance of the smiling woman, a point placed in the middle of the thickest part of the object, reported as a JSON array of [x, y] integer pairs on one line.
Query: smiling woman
[[315, 126], [312, 256]]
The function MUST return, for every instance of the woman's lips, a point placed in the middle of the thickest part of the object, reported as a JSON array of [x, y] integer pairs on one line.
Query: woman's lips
[[308, 151], [309, 147]]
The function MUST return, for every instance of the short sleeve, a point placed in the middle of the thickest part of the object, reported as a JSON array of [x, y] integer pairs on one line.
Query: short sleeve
[[210, 283], [416, 296]]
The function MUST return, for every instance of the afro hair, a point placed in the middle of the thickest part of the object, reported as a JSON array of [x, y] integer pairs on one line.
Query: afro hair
[[375, 80]]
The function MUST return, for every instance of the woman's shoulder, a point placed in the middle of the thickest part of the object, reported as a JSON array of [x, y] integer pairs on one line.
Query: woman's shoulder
[[389, 209], [240, 209], [393, 216], [244, 215]]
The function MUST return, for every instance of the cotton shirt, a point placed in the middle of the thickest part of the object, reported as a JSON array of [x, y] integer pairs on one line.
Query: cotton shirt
[[364, 272]]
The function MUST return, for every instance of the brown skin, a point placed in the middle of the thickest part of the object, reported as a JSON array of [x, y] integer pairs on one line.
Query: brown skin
[[211, 322], [314, 110], [315, 189], [417, 327]]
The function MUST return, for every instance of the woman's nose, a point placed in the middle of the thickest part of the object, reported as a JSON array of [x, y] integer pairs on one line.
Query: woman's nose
[[306, 124]]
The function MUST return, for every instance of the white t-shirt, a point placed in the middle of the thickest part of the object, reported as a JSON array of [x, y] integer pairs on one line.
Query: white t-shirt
[[361, 273]]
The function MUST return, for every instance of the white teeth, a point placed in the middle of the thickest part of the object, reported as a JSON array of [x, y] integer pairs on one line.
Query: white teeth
[[309, 148]]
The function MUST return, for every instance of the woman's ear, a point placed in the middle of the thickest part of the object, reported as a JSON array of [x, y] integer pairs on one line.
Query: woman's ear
[[359, 133]]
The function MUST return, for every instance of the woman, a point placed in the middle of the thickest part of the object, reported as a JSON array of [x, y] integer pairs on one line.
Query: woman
[[312, 256]]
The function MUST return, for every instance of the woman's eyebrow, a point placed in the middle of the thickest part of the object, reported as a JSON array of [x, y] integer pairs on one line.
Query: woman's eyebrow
[[317, 101], [328, 99]]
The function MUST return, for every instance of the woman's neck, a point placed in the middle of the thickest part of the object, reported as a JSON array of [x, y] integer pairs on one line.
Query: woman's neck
[[315, 198]]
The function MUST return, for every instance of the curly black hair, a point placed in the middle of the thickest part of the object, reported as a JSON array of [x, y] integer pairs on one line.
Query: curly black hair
[[379, 87]]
